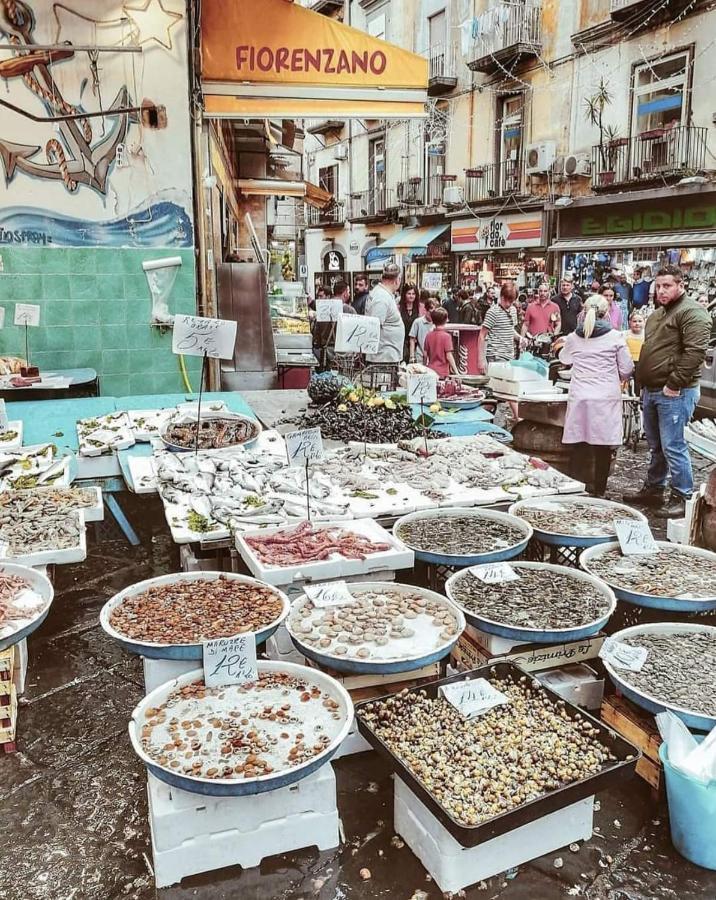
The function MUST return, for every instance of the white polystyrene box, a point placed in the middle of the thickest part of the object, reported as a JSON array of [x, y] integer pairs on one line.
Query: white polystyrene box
[[159, 671]]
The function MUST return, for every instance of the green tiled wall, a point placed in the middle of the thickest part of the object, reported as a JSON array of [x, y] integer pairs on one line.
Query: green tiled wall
[[95, 312]]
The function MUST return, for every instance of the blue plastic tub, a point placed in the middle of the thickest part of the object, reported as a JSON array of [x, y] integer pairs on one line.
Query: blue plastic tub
[[692, 814]]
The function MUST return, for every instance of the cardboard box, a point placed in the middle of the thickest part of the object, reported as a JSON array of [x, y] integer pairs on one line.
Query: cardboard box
[[469, 653]]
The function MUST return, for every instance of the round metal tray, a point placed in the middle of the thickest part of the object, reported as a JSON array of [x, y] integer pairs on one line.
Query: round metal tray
[[175, 448], [405, 663], [673, 604], [42, 585], [538, 636], [456, 403], [573, 540], [689, 717], [183, 651], [220, 787], [464, 560]]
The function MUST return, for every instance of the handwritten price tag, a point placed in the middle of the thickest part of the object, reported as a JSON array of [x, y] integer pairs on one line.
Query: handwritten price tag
[[2, 316], [635, 537], [423, 388], [304, 446], [495, 573], [329, 594], [4, 424], [473, 698], [328, 310], [195, 336], [27, 314], [357, 334], [432, 281], [230, 660], [623, 656]]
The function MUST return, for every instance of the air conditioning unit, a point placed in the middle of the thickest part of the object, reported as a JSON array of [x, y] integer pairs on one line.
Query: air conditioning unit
[[557, 167], [341, 151], [577, 164], [452, 195], [539, 157]]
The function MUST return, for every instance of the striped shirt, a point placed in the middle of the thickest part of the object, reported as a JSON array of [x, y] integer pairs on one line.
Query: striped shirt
[[500, 333]]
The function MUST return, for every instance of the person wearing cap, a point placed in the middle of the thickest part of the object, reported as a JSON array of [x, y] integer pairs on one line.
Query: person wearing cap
[[569, 303], [382, 305]]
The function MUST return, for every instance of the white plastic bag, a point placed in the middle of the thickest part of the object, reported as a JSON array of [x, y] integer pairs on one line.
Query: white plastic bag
[[697, 760]]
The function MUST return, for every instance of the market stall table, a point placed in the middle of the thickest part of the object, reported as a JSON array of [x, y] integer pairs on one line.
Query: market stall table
[[67, 383]]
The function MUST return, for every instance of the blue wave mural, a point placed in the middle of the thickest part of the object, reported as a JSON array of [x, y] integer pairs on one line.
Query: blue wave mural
[[163, 224]]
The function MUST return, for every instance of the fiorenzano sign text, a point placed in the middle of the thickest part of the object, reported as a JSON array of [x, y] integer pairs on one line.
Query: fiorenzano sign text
[[701, 217], [326, 60]]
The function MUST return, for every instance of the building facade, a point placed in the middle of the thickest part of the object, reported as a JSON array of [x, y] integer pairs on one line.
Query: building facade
[[545, 120]]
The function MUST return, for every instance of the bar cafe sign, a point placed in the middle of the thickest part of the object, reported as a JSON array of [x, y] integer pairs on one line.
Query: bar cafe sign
[[657, 218]]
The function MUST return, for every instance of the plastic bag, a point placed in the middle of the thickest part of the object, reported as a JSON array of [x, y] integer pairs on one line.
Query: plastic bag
[[528, 361], [694, 758]]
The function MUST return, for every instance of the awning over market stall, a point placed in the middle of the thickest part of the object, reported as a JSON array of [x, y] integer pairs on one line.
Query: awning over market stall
[[411, 240], [269, 58], [629, 242], [276, 187]]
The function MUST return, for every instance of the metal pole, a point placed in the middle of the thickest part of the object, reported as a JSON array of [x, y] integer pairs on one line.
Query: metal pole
[[78, 47]]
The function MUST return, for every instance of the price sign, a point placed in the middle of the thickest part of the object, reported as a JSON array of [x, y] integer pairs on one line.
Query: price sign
[[432, 281], [328, 310], [2, 316], [495, 573], [623, 656], [27, 314], [4, 424], [357, 334], [230, 660], [196, 336], [304, 446], [334, 593], [423, 388], [473, 698], [635, 537]]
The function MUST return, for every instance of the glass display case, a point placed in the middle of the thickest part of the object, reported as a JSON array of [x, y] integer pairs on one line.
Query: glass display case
[[288, 304]]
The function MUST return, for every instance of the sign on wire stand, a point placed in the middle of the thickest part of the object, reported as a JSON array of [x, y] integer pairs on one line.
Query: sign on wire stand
[[473, 698], [304, 446], [635, 537], [198, 336], [423, 388], [328, 310], [495, 573], [27, 314], [330, 593], [230, 660], [622, 655], [357, 334]]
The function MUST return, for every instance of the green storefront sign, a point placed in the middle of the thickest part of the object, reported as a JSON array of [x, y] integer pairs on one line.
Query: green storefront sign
[[694, 218]]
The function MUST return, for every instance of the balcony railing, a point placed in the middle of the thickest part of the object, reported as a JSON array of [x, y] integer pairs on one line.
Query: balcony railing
[[488, 182], [652, 156], [422, 192], [505, 33], [442, 72], [371, 204], [336, 215]]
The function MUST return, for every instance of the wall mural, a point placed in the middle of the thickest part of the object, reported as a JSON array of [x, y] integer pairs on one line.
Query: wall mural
[[86, 180]]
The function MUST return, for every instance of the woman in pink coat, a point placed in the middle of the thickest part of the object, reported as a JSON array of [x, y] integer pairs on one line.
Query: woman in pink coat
[[600, 362]]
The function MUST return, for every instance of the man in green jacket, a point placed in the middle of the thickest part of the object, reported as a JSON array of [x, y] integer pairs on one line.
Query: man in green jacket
[[675, 343]]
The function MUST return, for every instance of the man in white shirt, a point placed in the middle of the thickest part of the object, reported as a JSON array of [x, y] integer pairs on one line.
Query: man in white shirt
[[382, 305]]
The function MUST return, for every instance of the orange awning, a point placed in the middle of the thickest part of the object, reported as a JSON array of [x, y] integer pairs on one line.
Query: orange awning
[[263, 58]]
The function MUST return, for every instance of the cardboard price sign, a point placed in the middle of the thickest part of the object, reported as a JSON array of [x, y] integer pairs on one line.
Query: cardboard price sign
[[473, 698], [423, 388], [197, 336], [357, 334], [334, 593], [635, 537], [495, 573], [230, 660], [432, 281], [27, 314], [305, 446], [328, 310], [623, 656]]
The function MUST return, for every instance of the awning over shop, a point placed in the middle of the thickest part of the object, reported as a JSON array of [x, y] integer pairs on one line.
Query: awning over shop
[[411, 240], [275, 187], [630, 242], [264, 58]]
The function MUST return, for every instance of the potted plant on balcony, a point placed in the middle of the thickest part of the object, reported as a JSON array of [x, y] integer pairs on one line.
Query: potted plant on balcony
[[609, 140]]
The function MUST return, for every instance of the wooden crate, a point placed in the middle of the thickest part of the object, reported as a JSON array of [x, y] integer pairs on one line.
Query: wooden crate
[[392, 683], [639, 728], [8, 723]]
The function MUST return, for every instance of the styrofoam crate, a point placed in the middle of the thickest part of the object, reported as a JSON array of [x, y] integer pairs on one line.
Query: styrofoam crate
[[354, 743], [15, 427], [280, 647], [159, 671], [454, 867], [19, 675], [193, 833], [75, 554], [397, 557]]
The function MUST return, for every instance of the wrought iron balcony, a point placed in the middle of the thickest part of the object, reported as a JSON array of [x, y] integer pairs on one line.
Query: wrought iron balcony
[[442, 73], [505, 34], [371, 204], [663, 154], [334, 215], [495, 180], [423, 192]]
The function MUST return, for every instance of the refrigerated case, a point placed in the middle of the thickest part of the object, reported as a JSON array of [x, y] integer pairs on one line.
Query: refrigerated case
[[288, 306]]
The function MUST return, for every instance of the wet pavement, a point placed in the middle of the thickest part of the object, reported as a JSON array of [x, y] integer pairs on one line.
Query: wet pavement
[[74, 811]]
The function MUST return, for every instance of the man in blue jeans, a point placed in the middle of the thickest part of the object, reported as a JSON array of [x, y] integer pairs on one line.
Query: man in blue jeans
[[675, 343]]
